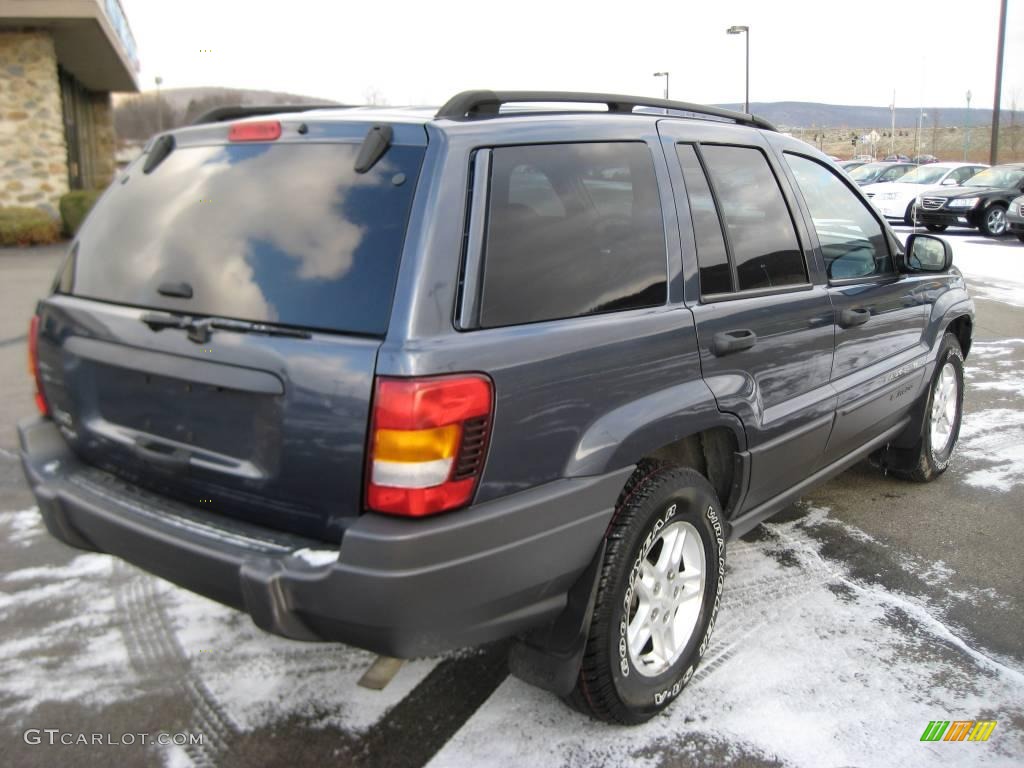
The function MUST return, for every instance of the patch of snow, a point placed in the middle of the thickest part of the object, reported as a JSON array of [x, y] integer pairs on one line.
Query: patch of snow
[[807, 667]]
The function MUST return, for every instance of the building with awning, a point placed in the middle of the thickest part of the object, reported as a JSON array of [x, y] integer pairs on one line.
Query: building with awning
[[60, 60]]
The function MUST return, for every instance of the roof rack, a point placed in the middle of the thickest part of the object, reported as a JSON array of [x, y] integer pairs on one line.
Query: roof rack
[[488, 104], [223, 114]]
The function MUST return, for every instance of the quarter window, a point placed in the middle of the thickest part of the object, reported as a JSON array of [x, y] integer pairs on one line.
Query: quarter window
[[573, 229], [758, 226], [852, 240]]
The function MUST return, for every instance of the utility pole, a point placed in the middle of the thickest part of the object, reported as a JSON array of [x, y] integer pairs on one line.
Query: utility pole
[[967, 127], [665, 75], [892, 132], [994, 151], [159, 106]]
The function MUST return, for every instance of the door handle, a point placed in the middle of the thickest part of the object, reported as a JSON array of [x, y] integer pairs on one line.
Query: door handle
[[727, 342], [849, 318]]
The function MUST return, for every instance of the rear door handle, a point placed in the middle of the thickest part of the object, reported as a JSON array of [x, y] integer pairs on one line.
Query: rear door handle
[[849, 318], [727, 342]]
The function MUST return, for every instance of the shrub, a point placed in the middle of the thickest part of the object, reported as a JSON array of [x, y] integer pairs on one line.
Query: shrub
[[74, 206], [27, 226]]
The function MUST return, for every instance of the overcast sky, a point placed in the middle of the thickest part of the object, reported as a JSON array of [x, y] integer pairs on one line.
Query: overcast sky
[[423, 51]]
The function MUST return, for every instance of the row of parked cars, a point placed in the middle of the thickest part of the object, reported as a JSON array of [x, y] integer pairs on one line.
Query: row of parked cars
[[941, 195]]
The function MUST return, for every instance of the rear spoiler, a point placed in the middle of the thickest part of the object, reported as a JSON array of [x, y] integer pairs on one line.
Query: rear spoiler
[[223, 114]]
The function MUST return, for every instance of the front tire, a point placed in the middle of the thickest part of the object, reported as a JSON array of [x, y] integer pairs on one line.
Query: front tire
[[993, 220], [908, 217], [929, 456], [935, 227], [658, 595]]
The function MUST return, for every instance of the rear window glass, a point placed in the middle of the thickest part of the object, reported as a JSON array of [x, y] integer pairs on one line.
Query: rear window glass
[[573, 229], [278, 233]]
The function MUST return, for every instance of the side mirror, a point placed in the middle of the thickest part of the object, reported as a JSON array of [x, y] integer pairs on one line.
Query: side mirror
[[949, 182], [927, 253]]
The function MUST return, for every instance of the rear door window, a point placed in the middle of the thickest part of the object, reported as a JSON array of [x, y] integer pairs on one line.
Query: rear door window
[[758, 225], [280, 233], [573, 229]]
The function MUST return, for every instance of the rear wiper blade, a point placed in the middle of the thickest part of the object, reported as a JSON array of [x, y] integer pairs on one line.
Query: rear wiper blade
[[245, 326], [200, 329]]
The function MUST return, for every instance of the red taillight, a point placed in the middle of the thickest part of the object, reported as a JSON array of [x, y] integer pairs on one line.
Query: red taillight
[[262, 130], [427, 443], [33, 364]]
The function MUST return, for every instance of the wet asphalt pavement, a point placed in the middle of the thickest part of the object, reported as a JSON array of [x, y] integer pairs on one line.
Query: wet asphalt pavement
[[850, 620]]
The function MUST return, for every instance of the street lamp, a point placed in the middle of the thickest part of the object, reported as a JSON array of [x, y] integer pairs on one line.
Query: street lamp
[[921, 115], [735, 30], [665, 75], [967, 128], [159, 110]]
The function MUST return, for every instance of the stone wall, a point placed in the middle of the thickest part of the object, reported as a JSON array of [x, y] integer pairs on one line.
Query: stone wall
[[104, 144], [33, 155]]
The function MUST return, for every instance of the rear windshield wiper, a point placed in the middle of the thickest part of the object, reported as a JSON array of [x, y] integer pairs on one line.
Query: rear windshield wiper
[[200, 329]]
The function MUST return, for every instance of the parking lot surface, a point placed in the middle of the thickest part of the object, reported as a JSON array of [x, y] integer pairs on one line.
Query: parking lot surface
[[850, 621]]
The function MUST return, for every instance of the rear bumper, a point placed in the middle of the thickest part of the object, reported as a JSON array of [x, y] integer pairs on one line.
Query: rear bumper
[[397, 587]]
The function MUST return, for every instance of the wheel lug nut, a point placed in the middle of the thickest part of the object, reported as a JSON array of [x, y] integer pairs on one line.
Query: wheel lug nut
[[654, 613]]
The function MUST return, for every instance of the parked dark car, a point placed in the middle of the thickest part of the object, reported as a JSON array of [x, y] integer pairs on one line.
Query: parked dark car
[[879, 173], [415, 381], [1015, 217], [924, 159], [980, 202]]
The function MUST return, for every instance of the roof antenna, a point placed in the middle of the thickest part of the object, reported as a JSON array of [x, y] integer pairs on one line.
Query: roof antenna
[[376, 143]]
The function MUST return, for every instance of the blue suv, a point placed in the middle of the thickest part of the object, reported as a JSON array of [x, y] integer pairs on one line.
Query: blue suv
[[516, 368]]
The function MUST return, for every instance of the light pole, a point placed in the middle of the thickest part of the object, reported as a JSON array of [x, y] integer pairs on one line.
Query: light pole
[[665, 75], [921, 115], [745, 30], [967, 128], [159, 108]]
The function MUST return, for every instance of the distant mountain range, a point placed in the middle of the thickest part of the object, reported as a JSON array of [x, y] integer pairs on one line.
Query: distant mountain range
[[136, 117], [807, 114]]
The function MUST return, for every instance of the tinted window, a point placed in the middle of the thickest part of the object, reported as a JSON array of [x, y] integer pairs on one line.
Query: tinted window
[[266, 232], [712, 257], [760, 231], [573, 229], [851, 238]]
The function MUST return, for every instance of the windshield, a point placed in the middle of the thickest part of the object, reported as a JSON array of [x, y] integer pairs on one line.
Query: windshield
[[1005, 177], [924, 174], [868, 172], [279, 233]]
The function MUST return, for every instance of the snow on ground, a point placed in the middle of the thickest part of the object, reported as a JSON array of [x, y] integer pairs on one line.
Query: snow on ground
[[995, 268], [992, 438], [808, 667]]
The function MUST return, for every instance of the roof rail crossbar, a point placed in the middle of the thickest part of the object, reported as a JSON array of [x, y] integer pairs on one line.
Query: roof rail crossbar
[[223, 114], [489, 103]]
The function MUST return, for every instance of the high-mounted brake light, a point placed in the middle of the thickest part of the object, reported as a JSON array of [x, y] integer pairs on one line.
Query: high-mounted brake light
[[260, 130], [33, 365], [427, 443]]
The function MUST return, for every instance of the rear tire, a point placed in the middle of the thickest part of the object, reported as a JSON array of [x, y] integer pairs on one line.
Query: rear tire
[[993, 220], [908, 217], [929, 457], [1020, 237], [935, 227], [665, 557]]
